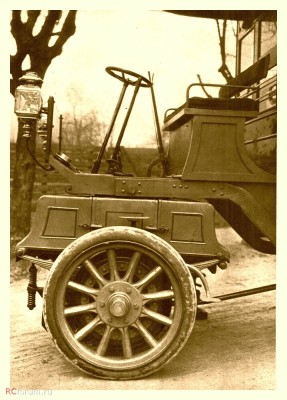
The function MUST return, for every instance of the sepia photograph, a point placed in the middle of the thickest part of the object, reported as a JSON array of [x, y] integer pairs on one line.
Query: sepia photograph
[[143, 200]]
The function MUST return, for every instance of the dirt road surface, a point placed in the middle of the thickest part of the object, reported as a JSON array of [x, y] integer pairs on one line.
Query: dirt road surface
[[233, 349]]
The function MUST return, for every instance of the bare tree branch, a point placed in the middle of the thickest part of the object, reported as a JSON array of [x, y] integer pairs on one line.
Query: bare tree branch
[[51, 21], [37, 47], [222, 35], [32, 19], [68, 30]]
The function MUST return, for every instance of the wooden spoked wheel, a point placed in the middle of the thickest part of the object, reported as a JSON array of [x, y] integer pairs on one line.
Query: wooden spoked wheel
[[119, 303]]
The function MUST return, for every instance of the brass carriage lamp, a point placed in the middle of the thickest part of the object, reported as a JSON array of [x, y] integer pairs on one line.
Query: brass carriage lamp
[[28, 101]]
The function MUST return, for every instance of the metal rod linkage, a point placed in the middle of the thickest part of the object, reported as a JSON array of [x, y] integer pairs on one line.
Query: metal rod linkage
[[97, 163], [121, 134], [246, 292], [162, 157]]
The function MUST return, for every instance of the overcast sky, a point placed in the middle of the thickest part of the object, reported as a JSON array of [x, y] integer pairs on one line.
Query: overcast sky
[[173, 48]]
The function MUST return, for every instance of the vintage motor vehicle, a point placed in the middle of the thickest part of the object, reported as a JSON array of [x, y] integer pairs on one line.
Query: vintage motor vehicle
[[126, 254]]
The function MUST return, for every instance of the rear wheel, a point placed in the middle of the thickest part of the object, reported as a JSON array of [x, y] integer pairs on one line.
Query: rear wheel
[[119, 303]]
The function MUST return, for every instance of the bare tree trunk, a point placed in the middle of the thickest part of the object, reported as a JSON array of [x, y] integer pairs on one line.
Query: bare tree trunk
[[41, 54], [22, 186]]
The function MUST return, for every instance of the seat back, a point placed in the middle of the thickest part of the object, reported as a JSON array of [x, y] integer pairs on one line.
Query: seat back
[[248, 77]]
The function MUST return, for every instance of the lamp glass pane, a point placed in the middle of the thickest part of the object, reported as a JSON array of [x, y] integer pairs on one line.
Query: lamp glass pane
[[28, 101]]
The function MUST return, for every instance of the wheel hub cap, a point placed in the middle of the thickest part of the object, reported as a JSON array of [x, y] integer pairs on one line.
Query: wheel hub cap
[[119, 304]]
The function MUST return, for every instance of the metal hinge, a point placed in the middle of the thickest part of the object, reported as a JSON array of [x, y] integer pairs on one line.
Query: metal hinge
[[162, 229], [91, 226]]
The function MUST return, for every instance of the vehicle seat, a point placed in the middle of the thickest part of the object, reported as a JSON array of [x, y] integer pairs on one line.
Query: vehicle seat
[[224, 101], [215, 103]]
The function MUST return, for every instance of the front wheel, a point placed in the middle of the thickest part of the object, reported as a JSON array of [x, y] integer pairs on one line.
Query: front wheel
[[119, 303]]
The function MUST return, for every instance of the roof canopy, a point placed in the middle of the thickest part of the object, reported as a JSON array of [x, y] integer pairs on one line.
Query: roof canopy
[[237, 15]]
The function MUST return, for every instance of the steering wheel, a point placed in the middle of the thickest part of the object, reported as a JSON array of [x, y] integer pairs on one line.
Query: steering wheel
[[126, 76]]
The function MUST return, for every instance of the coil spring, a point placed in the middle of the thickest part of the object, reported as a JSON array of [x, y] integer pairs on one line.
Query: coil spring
[[32, 287]]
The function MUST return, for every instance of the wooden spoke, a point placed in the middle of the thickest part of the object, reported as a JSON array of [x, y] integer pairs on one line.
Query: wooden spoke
[[80, 309], [163, 319], [94, 273], [127, 348], [83, 332], [148, 278], [83, 289], [104, 343], [162, 295], [146, 334], [112, 258], [132, 266]]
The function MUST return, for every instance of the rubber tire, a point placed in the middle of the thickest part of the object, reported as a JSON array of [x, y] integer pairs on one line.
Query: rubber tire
[[136, 236]]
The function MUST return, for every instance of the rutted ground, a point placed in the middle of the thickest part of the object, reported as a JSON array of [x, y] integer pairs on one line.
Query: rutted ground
[[233, 349]]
